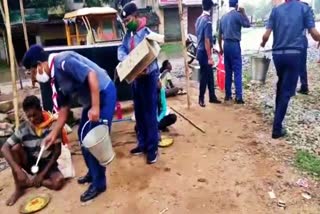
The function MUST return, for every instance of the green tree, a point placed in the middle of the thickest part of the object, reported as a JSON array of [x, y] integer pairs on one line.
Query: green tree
[[317, 6], [250, 9], [263, 10], [45, 3]]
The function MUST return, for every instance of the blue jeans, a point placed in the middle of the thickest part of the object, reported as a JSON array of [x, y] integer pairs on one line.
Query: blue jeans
[[145, 98], [107, 108], [233, 65], [288, 67], [303, 72]]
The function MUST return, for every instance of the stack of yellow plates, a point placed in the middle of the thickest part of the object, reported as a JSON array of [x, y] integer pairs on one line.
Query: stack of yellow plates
[[35, 203], [166, 142]]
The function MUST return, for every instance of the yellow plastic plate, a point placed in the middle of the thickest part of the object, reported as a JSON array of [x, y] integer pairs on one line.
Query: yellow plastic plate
[[35, 203], [166, 142]]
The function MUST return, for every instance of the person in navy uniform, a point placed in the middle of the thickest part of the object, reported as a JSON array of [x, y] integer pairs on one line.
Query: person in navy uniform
[[288, 22], [230, 32], [145, 95], [204, 53], [74, 75], [304, 88]]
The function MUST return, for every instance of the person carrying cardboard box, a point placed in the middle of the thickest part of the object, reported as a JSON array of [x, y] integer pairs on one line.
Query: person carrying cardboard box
[[144, 87]]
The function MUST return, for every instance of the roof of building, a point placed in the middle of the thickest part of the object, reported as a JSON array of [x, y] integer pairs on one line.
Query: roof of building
[[90, 11]]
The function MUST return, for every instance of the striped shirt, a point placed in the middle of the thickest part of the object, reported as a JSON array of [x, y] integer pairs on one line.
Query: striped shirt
[[26, 136]]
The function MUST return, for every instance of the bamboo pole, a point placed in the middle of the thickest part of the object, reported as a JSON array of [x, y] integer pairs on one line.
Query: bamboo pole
[[12, 63], [184, 51], [25, 33], [5, 39]]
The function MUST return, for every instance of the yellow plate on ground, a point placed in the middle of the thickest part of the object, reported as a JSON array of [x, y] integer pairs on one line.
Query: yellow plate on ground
[[166, 142], [35, 203]]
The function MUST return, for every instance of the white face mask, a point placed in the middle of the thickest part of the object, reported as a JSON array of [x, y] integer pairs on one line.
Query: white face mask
[[43, 78]]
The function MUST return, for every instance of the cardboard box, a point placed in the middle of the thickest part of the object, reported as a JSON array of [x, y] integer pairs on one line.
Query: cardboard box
[[140, 58]]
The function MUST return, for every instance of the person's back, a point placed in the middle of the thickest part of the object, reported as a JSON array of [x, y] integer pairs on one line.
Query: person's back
[[69, 64], [288, 23], [202, 23], [231, 25]]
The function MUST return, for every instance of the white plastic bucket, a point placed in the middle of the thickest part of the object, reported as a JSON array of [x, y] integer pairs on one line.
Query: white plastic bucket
[[98, 142]]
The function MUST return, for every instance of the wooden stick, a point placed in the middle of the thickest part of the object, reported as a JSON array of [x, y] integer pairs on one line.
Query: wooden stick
[[190, 121], [12, 63], [184, 51], [24, 26]]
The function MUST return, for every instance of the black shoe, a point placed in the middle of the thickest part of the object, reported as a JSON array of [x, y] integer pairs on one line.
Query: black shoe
[[91, 193], [152, 158], [303, 91], [85, 179], [282, 134], [201, 103], [136, 151], [239, 101], [215, 101]]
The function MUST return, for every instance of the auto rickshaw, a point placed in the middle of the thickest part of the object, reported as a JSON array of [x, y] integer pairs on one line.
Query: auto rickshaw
[[95, 33]]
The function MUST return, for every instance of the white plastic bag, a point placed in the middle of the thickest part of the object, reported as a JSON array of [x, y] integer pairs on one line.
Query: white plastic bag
[[65, 164]]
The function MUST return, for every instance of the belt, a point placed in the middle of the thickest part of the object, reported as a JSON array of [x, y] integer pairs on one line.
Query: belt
[[286, 52]]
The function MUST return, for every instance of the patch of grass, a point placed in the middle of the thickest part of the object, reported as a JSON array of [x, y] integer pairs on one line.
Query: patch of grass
[[308, 162], [4, 67], [171, 49], [246, 79]]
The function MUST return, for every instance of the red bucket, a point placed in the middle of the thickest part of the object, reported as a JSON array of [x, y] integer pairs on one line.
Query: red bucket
[[221, 73]]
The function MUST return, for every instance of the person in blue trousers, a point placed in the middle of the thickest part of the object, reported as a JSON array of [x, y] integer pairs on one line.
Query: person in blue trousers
[[74, 75], [288, 22], [304, 87], [204, 53], [230, 32], [144, 87]]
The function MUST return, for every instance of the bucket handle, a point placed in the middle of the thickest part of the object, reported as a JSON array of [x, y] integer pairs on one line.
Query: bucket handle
[[90, 122]]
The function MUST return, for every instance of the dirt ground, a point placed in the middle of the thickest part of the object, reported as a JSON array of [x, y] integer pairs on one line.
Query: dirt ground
[[229, 169]]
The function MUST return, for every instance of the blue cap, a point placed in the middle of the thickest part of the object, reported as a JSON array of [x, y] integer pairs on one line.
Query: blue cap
[[233, 3], [207, 4], [128, 9], [32, 57]]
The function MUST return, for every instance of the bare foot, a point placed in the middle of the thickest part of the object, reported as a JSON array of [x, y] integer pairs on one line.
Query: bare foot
[[14, 197]]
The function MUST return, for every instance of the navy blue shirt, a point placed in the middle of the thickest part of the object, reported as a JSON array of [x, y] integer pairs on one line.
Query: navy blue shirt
[[231, 24], [288, 23], [71, 77], [203, 31]]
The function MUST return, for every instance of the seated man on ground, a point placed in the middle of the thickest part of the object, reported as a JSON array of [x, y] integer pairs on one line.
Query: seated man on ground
[[22, 148], [165, 119], [166, 80]]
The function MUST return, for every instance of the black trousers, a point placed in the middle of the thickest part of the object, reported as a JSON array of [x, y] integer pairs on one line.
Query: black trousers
[[206, 80], [167, 121]]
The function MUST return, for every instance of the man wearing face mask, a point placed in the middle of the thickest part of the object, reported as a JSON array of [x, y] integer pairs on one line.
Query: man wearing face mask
[[204, 53], [230, 31], [74, 75], [144, 87]]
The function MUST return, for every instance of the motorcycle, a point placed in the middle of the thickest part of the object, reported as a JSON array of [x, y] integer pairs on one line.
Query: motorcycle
[[192, 43]]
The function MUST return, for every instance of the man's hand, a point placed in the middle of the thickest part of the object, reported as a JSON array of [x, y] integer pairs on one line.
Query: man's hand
[[37, 180], [241, 10], [94, 114], [50, 139], [221, 52], [210, 61], [263, 44]]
